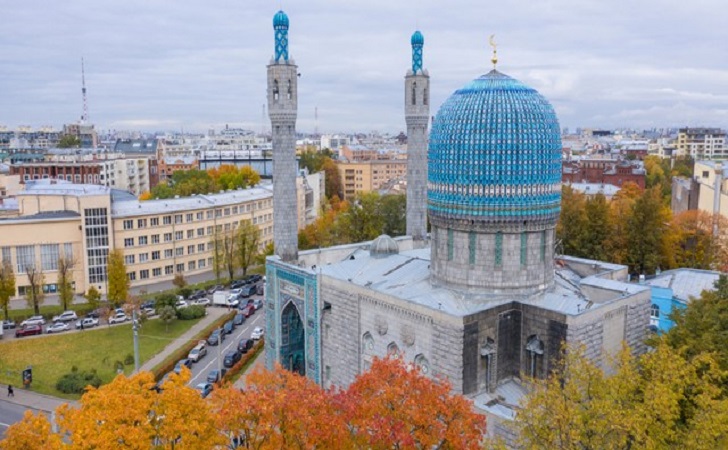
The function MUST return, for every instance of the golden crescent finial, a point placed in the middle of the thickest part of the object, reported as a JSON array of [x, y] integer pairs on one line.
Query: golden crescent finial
[[494, 58]]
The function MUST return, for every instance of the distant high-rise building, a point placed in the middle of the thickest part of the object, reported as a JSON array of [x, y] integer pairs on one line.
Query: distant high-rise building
[[702, 143]]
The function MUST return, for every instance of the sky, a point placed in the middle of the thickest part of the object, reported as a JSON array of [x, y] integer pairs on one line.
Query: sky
[[171, 65]]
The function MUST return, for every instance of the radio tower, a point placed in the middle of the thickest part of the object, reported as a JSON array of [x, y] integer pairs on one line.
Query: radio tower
[[84, 116]]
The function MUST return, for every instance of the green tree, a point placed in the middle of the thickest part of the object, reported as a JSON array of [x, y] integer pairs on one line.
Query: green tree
[[646, 237], [229, 176], [267, 251], [362, 221], [167, 314], [161, 191], [69, 141], [248, 241], [393, 209], [193, 181], [118, 281], [93, 297], [34, 294], [65, 277], [597, 228], [572, 223], [7, 286], [163, 300]]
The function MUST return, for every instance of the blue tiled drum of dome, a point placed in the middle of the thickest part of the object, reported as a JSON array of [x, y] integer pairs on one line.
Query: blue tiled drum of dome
[[495, 154]]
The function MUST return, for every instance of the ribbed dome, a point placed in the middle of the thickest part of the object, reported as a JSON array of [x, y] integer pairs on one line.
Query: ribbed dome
[[495, 154], [384, 245], [280, 20], [417, 38]]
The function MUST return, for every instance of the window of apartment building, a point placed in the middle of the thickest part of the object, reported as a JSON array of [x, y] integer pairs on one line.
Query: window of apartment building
[[168, 270], [155, 255], [128, 224], [141, 223], [227, 211], [179, 251], [247, 208], [143, 240], [168, 253], [167, 237], [209, 246], [190, 249], [209, 230], [157, 272], [200, 263], [155, 239], [209, 262], [154, 221], [128, 259], [235, 209], [198, 216], [189, 217], [128, 242], [131, 276], [191, 265], [190, 234], [144, 274], [180, 268], [200, 248], [143, 257], [49, 257], [178, 218], [218, 228], [167, 220], [218, 213], [227, 227], [209, 214], [5, 255], [179, 235], [200, 232]]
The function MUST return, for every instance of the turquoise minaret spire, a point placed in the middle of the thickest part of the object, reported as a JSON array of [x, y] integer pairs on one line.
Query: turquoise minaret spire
[[418, 41], [280, 25]]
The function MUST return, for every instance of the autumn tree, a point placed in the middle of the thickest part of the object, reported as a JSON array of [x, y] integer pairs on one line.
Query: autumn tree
[[393, 209], [696, 245], [269, 250], [117, 279], [647, 247], [162, 190], [218, 255], [146, 195], [325, 231], [179, 280], [229, 176], [620, 212], [7, 286], [332, 181], [34, 294], [93, 297], [31, 433], [362, 221], [248, 241], [596, 229], [572, 222], [64, 280], [193, 181]]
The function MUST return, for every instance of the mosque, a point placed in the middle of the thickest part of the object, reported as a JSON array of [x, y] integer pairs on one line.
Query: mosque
[[482, 299]]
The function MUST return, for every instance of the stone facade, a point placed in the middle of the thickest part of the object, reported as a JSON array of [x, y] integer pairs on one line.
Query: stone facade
[[417, 116]]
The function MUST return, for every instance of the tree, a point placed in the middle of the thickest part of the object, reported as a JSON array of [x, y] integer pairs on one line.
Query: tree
[[393, 209], [620, 212], [312, 159], [118, 281], [596, 229], [332, 183], [34, 294], [646, 234], [93, 297], [162, 190], [572, 222], [146, 195], [397, 406], [32, 432], [165, 299], [228, 248], [69, 141], [7, 286], [248, 241], [269, 250], [696, 245], [167, 314], [179, 280], [193, 181], [218, 260], [229, 176], [362, 221], [65, 277]]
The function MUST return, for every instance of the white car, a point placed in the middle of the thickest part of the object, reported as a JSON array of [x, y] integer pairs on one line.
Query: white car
[[57, 327], [181, 304], [118, 318], [257, 333], [149, 312], [35, 320], [66, 316], [87, 322], [201, 301]]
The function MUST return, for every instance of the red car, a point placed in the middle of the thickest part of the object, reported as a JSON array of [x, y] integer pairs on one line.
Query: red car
[[248, 311], [28, 330]]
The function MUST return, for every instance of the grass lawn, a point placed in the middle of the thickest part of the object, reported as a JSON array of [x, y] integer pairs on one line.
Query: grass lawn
[[98, 348]]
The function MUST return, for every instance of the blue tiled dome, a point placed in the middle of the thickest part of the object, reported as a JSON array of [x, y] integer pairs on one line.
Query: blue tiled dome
[[495, 154], [417, 38], [280, 20]]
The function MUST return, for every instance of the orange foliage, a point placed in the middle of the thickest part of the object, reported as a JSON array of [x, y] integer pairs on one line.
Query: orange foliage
[[146, 195], [31, 433]]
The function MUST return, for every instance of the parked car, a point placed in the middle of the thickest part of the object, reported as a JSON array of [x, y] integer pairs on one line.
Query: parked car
[[182, 362], [149, 304], [87, 322], [66, 316], [260, 290], [149, 312], [247, 291], [95, 314], [198, 352], [201, 301], [181, 304], [257, 303], [231, 357], [257, 333], [57, 327], [228, 327], [119, 317], [248, 311], [197, 294], [35, 320], [214, 289], [237, 284], [204, 388], [8, 324], [214, 376], [244, 345], [216, 337], [28, 330], [238, 319]]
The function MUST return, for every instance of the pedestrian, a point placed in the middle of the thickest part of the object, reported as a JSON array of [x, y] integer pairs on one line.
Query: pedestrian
[[10, 391]]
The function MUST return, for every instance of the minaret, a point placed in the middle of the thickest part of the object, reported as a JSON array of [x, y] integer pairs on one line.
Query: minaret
[[417, 115], [282, 109]]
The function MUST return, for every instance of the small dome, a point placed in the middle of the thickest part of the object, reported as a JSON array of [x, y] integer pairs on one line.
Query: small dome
[[280, 20], [417, 38], [383, 246]]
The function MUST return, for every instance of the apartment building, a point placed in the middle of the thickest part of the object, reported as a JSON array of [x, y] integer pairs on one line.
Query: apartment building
[[367, 176], [702, 143]]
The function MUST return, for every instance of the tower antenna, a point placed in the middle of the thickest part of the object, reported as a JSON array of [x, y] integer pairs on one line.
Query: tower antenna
[[84, 116]]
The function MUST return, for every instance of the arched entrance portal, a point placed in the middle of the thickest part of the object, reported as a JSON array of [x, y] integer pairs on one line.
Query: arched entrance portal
[[293, 344]]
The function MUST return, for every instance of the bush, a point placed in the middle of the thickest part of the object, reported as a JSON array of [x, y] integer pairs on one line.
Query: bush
[[129, 360], [75, 382], [185, 292], [191, 312], [165, 299]]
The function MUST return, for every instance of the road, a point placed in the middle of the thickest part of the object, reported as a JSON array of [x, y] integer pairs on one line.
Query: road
[[209, 362], [10, 413]]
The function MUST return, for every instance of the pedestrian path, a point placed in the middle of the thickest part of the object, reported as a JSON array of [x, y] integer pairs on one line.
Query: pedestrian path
[[212, 315], [34, 400]]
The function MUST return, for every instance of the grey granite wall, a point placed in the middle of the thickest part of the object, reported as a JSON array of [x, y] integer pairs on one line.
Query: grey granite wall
[[417, 117]]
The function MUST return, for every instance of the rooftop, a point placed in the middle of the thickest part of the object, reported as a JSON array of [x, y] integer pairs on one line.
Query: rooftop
[[685, 283]]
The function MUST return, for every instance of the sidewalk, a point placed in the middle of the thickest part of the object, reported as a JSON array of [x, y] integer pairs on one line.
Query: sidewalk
[[259, 362], [212, 315], [34, 400]]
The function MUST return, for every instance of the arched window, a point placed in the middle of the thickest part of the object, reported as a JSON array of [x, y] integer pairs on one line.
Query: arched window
[[655, 311], [275, 90], [422, 364], [367, 343], [424, 97], [393, 350], [414, 93], [535, 348], [290, 90]]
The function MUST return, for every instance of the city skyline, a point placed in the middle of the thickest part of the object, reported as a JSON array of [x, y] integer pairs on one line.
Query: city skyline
[[166, 66]]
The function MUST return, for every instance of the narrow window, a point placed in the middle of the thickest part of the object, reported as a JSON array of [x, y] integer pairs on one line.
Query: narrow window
[[543, 246], [275, 89], [449, 244], [290, 90], [471, 247], [414, 93], [498, 249], [524, 247], [424, 97]]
